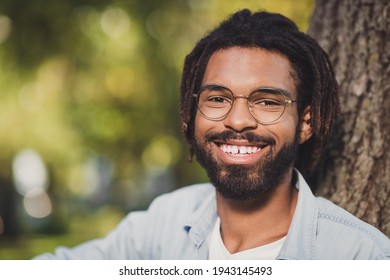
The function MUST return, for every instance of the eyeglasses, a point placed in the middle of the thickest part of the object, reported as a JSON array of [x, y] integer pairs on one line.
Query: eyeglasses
[[266, 105]]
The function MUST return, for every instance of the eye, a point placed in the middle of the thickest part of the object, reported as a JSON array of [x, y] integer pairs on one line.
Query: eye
[[267, 103], [218, 99], [215, 97], [265, 100]]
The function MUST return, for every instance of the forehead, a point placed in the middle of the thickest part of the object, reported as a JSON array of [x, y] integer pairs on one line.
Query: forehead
[[245, 69]]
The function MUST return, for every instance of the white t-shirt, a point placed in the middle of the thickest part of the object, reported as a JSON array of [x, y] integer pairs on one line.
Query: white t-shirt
[[218, 251]]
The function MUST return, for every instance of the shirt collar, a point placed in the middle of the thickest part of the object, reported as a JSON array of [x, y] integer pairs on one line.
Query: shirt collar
[[201, 223], [301, 237]]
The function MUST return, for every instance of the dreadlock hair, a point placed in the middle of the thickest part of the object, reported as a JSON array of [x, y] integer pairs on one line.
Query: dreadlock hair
[[313, 74]]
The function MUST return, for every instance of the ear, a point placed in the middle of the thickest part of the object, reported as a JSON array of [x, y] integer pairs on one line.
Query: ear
[[306, 130]]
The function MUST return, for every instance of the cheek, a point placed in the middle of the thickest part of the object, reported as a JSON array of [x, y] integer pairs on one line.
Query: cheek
[[286, 129], [202, 126]]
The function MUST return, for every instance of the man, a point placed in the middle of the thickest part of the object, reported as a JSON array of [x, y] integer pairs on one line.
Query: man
[[258, 102]]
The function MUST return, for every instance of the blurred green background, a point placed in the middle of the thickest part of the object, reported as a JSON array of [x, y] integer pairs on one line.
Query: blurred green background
[[89, 116]]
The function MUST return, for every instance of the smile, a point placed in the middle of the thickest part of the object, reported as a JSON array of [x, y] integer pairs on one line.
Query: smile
[[240, 153], [239, 150]]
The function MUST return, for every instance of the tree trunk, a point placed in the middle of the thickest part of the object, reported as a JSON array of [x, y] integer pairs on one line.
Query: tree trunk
[[356, 171]]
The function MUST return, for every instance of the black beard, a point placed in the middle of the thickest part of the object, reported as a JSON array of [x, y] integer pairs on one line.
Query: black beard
[[246, 182]]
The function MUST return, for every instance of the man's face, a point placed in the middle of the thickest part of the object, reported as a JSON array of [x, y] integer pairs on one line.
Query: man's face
[[242, 157]]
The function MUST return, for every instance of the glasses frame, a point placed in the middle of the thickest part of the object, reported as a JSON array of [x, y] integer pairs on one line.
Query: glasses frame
[[282, 92]]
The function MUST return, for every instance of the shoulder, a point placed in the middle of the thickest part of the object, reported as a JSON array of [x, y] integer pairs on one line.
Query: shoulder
[[151, 234], [159, 231], [189, 196], [177, 205], [348, 235], [334, 232]]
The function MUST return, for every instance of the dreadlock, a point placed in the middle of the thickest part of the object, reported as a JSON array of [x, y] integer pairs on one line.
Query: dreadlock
[[313, 74]]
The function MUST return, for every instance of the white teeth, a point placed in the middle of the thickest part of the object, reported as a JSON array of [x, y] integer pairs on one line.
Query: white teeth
[[242, 150]]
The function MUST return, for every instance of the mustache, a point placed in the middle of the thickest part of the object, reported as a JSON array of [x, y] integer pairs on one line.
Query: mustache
[[231, 135]]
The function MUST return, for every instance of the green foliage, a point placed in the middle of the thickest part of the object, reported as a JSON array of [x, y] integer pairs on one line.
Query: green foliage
[[82, 229], [100, 79]]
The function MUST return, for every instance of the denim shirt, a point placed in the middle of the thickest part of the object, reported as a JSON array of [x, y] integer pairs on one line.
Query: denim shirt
[[178, 226]]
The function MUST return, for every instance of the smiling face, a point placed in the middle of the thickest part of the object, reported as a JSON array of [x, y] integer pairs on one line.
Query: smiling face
[[241, 156]]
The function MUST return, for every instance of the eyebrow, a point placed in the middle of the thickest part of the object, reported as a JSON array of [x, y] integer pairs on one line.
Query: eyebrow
[[286, 93], [214, 86], [274, 90]]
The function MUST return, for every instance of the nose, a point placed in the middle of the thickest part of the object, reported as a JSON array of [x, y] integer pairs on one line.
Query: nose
[[239, 118]]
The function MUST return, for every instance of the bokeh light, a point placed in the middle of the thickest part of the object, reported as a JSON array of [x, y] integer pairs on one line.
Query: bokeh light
[[115, 22], [5, 28], [162, 152], [29, 172], [37, 203]]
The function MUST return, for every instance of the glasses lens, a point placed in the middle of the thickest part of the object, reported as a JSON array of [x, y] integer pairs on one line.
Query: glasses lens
[[267, 106], [215, 102]]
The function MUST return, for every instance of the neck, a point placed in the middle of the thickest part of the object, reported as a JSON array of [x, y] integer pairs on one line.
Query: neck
[[262, 220]]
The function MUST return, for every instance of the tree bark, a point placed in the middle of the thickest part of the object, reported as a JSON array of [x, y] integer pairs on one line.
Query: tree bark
[[356, 171]]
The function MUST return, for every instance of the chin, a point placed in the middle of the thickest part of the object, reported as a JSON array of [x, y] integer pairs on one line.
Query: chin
[[248, 181]]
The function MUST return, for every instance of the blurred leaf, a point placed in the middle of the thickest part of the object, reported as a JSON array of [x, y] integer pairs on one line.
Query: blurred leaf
[[80, 78]]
